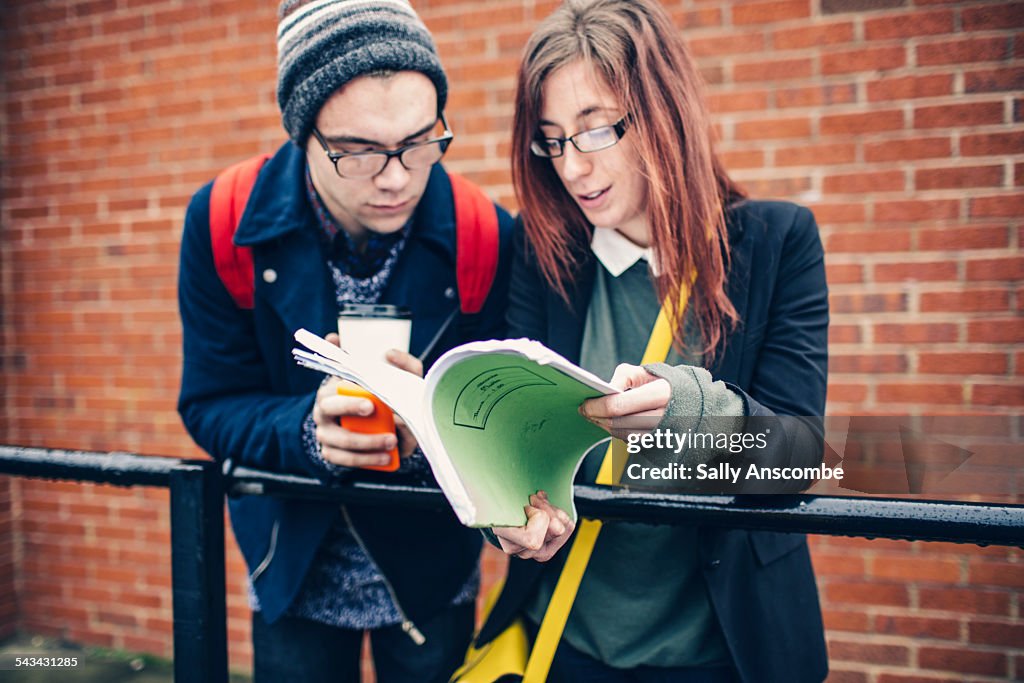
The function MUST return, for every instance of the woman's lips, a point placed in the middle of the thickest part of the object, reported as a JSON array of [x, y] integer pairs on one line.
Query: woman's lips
[[593, 200]]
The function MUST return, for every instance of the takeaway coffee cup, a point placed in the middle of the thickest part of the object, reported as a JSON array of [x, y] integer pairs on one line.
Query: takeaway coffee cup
[[369, 330]]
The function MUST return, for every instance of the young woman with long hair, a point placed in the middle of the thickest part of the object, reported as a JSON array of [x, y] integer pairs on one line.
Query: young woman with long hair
[[625, 206]]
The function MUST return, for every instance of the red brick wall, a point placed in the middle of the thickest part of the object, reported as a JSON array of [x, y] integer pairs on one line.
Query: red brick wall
[[900, 122], [8, 562]]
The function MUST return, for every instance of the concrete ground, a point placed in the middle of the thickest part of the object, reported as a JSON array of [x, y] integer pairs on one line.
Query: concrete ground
[[94, 665]]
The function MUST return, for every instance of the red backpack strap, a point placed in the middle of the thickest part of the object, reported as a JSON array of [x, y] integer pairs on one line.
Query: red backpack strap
[[230, 194], [477, 238]]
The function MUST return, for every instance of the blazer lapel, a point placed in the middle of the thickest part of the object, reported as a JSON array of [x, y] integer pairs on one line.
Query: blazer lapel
[[730, 357], [566, 322]]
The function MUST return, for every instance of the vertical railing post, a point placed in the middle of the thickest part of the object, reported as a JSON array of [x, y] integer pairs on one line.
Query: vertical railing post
[[197, 574]]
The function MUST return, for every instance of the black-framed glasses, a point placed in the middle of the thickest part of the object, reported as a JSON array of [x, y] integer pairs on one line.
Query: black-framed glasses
[[417, 155], [586, 141]]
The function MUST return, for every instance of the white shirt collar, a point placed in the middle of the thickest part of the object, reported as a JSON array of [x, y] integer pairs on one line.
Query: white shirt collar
[[617, 253]]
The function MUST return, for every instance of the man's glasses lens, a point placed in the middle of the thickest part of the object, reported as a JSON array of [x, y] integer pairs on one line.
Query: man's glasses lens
[[418, 155], [413, 157]]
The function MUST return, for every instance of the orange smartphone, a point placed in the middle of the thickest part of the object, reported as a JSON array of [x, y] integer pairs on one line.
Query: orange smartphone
[[380, 421]]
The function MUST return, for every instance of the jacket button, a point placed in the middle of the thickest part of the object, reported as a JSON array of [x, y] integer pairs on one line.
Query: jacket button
[[270, 276], [449, 293], [713, 564]]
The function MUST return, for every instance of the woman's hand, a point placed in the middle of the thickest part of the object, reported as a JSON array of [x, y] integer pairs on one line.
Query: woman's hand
[[643, 395], [546, 530]]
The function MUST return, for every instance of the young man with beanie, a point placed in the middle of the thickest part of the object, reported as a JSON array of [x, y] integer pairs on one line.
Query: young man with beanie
[[355, 208]]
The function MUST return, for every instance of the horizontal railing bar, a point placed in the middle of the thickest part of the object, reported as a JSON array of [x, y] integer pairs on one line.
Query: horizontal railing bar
[[370, 490], [907, 519], [120, 469], [868, 517], [925, 520]]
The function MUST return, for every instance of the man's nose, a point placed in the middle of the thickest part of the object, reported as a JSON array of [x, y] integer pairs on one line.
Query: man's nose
[[393, 177]]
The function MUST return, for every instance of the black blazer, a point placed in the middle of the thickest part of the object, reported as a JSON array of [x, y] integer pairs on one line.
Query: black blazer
[[761, 584]]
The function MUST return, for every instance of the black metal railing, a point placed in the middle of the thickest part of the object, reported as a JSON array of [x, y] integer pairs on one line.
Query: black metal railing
[[197, 489], [907, 519], [197, 540]]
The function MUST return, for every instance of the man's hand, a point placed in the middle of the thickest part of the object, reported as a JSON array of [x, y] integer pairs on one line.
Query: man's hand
[[405, 361], [546, 530], [344, 447]]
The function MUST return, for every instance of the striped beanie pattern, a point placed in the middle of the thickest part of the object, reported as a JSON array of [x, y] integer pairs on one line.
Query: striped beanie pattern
[[324, 44]]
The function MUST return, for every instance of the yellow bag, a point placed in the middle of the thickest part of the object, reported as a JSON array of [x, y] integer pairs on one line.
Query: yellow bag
[[508, 658], [503, 659]]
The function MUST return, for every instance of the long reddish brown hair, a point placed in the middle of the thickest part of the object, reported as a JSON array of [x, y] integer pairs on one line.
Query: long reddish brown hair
[[635, 48]]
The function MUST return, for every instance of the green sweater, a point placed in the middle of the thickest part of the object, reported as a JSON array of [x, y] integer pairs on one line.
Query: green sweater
[[642, 600]]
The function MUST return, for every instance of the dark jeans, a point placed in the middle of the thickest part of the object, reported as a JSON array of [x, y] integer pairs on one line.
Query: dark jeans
[[572, 666], [305, 651]]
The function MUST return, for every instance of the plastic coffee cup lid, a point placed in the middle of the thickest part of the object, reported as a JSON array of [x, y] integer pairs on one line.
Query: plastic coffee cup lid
[[374, 311]]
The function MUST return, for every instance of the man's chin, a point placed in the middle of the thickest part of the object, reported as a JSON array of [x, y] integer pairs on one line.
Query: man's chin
[[386, 226]]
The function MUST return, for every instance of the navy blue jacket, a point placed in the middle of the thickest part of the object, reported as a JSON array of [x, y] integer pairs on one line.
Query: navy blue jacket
[[244, 398], [761, 584]]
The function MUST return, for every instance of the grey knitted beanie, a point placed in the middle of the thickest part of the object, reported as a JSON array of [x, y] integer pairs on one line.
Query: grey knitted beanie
[[324, 44]]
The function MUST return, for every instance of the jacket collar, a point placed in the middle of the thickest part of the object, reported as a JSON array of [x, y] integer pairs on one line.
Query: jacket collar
[[279, 205], [617, 253], [733, 220]]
